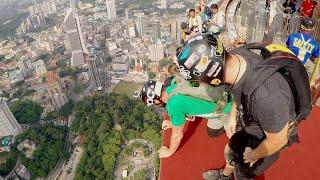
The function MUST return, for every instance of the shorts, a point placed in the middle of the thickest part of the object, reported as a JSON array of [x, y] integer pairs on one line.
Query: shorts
[[259, 170]]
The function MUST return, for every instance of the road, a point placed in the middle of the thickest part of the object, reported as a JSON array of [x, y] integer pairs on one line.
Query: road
[[69, 171], [56, 171]]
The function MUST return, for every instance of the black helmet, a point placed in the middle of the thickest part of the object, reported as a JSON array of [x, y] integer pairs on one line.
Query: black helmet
[[151, 91], [202, 59], [307, 23]]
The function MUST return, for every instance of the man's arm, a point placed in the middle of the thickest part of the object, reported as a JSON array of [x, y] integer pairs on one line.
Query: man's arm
[[274, 114], [232, 122], [272, 143], [176, 137]]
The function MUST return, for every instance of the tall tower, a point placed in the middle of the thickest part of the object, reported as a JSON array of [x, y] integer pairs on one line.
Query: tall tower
[[156, 51], [74, 33], [156, 31], [93, 68], [140, 22], [111, 9], [8, 123]]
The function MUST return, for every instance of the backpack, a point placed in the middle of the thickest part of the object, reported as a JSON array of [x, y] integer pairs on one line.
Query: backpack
[[273, 59], [200, 90], [277, 58]]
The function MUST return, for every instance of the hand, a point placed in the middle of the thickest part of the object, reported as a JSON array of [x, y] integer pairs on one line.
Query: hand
[[164, 152], [248, 156], [231, 127], [166, 124]]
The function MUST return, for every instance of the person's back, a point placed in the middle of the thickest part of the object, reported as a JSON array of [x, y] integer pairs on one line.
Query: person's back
[[303, 46], [307, 8], [181, 105]]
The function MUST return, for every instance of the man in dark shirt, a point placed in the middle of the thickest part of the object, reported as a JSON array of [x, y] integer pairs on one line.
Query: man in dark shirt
[[272, 105]]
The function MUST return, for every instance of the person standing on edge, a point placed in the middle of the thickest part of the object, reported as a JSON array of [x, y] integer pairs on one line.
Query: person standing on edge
[[264, 103]]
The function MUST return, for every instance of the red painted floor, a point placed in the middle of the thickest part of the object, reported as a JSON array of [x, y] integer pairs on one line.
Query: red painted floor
[[199, 152]]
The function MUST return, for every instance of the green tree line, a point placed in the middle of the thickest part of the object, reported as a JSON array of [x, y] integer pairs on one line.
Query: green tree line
[[96, 118]]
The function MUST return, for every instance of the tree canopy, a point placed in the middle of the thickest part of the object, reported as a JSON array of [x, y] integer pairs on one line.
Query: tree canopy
[[50, 143], [26, 111], [95, 120]]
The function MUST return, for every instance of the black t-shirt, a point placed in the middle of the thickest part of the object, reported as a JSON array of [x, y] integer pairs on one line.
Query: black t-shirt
[[272, 103]]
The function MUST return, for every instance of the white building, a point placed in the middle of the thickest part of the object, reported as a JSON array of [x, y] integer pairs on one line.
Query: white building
[[93, 63], [8, 123], [131, 29], [140, 23], [111, 9], [121, 64], [75, 37], [156, 51]]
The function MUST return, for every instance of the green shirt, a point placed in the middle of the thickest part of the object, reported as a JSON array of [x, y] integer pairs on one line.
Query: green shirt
[[180, 106]]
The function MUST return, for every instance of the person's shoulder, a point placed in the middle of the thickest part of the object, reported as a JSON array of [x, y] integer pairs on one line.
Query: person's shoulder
[[271, 86]]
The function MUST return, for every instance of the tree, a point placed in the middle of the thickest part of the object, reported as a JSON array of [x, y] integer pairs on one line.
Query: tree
[[95, 118], [66, 109], [164, 62], [26, 111], [151, 75], [50, 141]]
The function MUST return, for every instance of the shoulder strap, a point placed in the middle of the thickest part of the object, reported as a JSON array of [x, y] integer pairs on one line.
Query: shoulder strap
[[202, 91], [282, 61]]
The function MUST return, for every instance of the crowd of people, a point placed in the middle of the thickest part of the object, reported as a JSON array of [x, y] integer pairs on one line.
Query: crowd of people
[[257, 99], [202, 18]]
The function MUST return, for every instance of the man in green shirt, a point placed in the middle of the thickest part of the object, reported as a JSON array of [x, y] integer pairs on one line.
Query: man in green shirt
[[180, 106]]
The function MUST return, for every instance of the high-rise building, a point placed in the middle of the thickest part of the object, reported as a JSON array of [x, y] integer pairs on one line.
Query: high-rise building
[[78, 48], [156, 51], [55, 91], [93, 63], [129, 14], [8, 123], [131, 30], [175, 30], [111, 9], [140, 22], [156, 31]]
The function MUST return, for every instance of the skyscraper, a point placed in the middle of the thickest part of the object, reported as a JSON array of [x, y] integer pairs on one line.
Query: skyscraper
[[140, 22], [74, 32], [111, 9], [156, 51], [156, 31], [129, 14], [94, 75], [8, 123], [175, 30]]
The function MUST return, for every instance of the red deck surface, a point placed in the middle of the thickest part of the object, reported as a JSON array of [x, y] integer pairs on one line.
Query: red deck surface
[[199, 153]]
